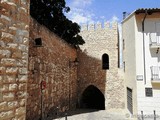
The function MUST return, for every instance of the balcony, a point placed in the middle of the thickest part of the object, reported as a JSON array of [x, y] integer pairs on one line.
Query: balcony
[[155, 74], [154, 40]]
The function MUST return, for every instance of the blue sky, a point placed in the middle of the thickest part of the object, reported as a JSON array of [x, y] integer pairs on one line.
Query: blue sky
[[93, 11]]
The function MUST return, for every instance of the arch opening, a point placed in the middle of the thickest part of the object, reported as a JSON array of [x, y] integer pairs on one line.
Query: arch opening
[[92, 98], [105, 61]]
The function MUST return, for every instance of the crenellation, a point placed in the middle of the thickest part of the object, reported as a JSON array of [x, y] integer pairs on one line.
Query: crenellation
[[99, 26], [106, 25], [84, 27], [91, 27], [114, 25]]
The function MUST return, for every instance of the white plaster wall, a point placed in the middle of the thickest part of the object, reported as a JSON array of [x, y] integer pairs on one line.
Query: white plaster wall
[[146, 104], [128, 35]]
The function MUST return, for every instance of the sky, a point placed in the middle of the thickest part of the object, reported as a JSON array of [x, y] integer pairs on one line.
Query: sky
[[94, 11]]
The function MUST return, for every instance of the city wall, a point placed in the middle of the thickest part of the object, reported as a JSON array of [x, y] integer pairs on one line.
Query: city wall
[[14, 40], [51, 63]]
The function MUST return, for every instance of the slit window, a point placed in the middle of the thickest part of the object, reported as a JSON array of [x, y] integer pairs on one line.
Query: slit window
[[105, 62], [38, 42]]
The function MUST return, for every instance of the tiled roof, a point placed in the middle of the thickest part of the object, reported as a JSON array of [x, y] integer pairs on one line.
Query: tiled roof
[[148, 10]]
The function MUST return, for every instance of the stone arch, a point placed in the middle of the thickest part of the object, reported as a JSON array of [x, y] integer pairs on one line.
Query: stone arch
[[92, 98]]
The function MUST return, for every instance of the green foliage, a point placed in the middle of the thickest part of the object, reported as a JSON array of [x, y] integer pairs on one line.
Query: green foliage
[[51, 14]]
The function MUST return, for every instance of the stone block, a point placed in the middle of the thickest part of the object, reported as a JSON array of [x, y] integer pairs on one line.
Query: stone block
[[23, 48], [13, 87], [22, 102], [5, 88], [22, 86], [23, 71], [5, 53], [1, 79], [26, 41], [17, 54], [2, 44], [10, 79], [21, 94], [20, 111], [6, 115], [6, 18], [22, 117], [13, 30], [7, 37], [12, 104], [8, 62], [22, 63], [3, 106], [12, 70], [12, 46], [8, 96], [23, 78], [2, 70]]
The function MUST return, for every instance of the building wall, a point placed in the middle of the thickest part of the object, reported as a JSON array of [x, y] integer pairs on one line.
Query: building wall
[[50, 63], [23, 66], [14, 38], [147, 104], [128, 35], [100, 40]]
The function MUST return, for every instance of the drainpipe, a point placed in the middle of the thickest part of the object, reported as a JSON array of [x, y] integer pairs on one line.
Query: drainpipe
[[144, 56]]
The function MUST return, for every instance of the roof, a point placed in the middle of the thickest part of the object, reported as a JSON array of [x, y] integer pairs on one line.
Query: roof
[[142, 10], [148, 10]]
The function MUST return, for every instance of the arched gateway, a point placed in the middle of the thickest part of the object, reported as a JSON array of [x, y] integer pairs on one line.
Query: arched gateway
[[92, 98]]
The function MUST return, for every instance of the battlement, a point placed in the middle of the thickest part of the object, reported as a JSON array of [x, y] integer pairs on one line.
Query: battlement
[[99, 26]]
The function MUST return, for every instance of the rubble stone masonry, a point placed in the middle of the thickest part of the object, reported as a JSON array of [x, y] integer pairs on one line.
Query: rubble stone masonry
[[102, 40], [14, 39], [52, 63]]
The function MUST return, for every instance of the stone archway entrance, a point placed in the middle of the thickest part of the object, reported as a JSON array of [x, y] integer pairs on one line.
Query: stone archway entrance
[[92, 98]]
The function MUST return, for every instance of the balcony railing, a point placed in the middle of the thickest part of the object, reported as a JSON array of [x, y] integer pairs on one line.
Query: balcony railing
[[155, 73], [154, 40]]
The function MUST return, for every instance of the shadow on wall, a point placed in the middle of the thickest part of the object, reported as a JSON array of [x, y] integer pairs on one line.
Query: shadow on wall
[[91, 82]]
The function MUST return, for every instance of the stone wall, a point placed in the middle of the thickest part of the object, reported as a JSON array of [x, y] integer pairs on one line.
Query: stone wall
[[14, 37], [52, 63], [99, 40]]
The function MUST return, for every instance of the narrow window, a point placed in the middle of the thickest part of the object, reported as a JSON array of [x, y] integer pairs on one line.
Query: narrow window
[[124, 67], [105, 62], [123, 44], [38, 42], [149, 92]]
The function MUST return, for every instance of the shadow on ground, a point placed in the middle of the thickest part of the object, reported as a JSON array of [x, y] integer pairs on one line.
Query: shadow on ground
[[70, 113]]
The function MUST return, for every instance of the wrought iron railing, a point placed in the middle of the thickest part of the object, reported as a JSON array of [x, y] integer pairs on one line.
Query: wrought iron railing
[[154, 39], [155, 73]]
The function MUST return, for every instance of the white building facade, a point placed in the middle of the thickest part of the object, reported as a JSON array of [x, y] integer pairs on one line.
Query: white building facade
[[141, 52]]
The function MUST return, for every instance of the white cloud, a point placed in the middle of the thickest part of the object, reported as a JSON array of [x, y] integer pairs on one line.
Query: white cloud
[[81, 3], [79, 11], [114, 19]]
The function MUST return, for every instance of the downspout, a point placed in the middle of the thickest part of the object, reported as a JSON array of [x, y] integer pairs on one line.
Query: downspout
[[144, 56]]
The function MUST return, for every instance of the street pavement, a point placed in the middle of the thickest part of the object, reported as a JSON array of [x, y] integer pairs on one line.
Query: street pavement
[[93, 115]]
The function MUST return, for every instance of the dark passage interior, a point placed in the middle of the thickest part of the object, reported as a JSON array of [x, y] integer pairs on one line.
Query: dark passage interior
[[92, 98]]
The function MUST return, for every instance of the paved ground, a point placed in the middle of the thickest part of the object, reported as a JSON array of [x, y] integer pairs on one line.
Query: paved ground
[[93, 115]]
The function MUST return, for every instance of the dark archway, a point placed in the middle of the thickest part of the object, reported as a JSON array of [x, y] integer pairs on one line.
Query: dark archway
[[92, 98]]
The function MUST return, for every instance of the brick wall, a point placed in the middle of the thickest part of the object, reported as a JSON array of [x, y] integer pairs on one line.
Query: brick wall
[[14, 37], [50, 63]]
